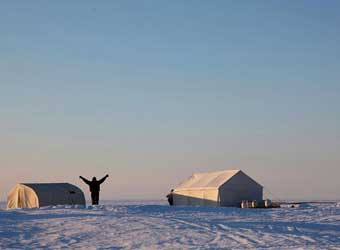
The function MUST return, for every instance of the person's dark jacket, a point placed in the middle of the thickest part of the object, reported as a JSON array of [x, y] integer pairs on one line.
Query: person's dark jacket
[[170, 198], [94, 184]]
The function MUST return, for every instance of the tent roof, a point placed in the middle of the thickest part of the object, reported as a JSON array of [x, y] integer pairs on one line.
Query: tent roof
[[207, 179], [51, 186], [46, 184]]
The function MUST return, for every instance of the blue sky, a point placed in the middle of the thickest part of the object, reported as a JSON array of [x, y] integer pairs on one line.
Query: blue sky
[[151, 91]]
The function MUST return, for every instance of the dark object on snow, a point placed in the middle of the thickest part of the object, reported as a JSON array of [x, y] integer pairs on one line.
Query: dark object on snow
[[94, 187], [170, 197], [259, 204]]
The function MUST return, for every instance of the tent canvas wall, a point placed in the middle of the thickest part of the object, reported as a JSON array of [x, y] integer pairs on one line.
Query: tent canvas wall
[[221, 188], [32, 195]]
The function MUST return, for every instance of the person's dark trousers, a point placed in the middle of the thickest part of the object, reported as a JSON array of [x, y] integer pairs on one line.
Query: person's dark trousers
[[95, 198]]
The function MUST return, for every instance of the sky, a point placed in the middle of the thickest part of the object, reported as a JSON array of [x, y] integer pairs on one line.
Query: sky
[[150, 92]]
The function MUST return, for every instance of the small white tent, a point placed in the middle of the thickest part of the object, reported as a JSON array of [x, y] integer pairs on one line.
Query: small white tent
[[221, 188], [44, 194]]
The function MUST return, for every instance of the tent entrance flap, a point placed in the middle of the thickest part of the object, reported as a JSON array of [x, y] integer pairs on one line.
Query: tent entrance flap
[[22, 196]]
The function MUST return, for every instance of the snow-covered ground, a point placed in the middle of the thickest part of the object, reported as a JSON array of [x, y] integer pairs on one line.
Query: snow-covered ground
[[154, 225]]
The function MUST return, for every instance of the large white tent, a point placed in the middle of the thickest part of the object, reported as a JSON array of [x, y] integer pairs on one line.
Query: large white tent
[[44, 194], [221, 188]]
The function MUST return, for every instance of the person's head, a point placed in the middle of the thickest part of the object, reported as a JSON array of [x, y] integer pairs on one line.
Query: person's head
[[171, 190], [94, 178]]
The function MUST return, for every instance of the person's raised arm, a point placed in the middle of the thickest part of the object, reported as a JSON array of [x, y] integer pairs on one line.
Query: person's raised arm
[[103, 179], [85, 180]]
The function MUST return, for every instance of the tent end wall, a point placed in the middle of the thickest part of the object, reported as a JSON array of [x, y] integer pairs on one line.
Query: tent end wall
[[22, 196], [240, 187]]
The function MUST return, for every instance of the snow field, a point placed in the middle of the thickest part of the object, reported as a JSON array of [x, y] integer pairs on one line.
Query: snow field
[[158, 226]]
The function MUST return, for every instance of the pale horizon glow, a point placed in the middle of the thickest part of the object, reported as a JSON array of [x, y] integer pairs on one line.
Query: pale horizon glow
[[151, 92]]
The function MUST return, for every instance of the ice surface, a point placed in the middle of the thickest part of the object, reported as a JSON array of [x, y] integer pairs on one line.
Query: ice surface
[[154, 225]]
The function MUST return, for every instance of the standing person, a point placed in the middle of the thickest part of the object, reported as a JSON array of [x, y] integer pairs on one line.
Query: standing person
[[170, 197], [94, 187]]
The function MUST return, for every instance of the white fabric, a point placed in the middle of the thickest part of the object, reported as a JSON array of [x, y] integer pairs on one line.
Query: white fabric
[[207, 180], [44, 194], [22, 196], [196, 197]]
